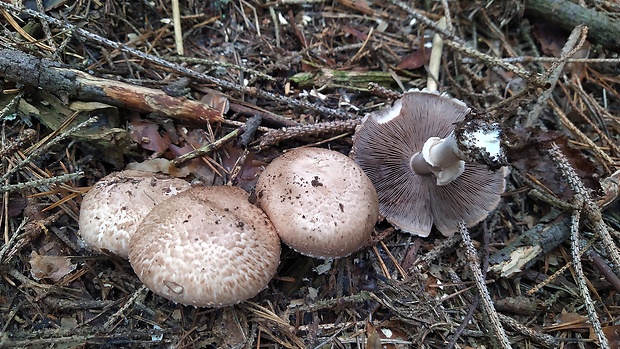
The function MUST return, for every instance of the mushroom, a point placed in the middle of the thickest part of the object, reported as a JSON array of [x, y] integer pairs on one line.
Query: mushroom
[[207, 246], [417, 161], [113, 207], [320, 201]]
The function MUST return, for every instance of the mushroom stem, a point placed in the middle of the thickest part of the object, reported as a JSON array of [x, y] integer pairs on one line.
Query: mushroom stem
[[445, 157], [439, 157]]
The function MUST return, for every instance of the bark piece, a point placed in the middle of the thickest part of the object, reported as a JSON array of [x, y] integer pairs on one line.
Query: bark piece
[[51, 76], [602, 29]]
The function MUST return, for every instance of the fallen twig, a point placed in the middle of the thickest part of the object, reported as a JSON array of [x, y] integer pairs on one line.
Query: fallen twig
[[582, 199], [52, 77], [331, 127], [487, 303], [603, 28]]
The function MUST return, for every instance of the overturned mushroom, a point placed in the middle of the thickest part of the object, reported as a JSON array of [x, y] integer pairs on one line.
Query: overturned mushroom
[[207, 246], [419, 163], [113, 207], [320, 201]]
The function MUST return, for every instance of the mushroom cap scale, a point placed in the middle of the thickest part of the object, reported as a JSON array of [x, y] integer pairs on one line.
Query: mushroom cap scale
[[113, 207], [320, 201], [207, 246], [384, 146]]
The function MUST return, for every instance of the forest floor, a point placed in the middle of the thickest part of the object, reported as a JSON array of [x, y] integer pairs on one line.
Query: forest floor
[[546, 273]]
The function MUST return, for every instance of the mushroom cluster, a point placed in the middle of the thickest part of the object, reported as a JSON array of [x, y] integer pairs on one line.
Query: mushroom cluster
[[209, 246], [422, 166]]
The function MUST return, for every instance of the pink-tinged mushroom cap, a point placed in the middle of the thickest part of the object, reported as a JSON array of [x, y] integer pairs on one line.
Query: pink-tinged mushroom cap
[[207, 246], [387, 147], [113, 207], [320, 201]]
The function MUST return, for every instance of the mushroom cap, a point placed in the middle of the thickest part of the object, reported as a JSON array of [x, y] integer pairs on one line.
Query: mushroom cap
[[113, 207], [207, 246], [383, 146], [320, 201]]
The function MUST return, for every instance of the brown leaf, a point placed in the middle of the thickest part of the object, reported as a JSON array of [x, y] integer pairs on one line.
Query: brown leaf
[[373, 340], [551, 38], [613, 336], [16, 205], [416, 59], [147, 135], [217, 101], [50, 267], [361, 36], [530, 156]]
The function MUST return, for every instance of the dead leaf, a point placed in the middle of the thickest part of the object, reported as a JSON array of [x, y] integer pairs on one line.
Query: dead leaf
[[373, 340], [50, 267], [17, 204], [416, 59], [569, 321], [147, 135], [217, 101], [613, 336], [530, 157], [550, 38]]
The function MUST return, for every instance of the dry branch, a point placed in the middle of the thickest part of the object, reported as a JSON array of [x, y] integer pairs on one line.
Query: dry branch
[[51, 76], [603, 29]]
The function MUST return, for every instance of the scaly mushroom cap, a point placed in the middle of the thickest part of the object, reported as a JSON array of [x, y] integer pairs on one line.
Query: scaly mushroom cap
[[320, 201], [384, 145], [207, 246], [113, 207]]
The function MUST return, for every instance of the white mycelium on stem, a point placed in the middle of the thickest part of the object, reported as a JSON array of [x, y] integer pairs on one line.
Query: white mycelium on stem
[[445, 157]]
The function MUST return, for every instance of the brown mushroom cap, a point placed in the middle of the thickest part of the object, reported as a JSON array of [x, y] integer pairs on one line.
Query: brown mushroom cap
[[384, 146], [113, 207], [320, 201], [207, 246]]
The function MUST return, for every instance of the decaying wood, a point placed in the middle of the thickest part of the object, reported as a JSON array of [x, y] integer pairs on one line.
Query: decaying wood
[[51, 76], [520, 253], [603, 29]]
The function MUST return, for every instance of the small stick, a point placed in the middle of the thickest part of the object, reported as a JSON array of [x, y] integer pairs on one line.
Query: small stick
[[108, 324], [603, 267], [574, 43], [178, 30], [544, 339], [208, 148], [38, 182], [381, 91], [485, 297], [435, 60], [592, 211], [581, 280], [251, 126], [339, 126]]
